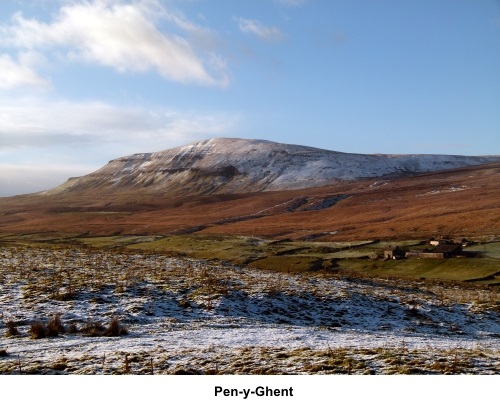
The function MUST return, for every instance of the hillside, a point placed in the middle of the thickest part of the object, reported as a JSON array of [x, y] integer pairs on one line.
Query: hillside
[[229, 166], [461, 202]]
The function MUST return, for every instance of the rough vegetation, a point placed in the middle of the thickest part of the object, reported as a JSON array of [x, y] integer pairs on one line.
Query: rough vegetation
[[88, 311], [461, 202]]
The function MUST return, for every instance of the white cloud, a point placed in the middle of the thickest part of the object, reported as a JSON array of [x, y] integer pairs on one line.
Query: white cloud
[[121, 35], [16, 73], [264, 32], [33, 123]]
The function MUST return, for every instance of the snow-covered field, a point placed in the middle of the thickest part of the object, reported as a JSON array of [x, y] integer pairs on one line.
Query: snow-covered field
[[174, 315]]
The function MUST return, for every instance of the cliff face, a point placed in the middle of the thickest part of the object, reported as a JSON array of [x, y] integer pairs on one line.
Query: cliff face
[[227, 165]]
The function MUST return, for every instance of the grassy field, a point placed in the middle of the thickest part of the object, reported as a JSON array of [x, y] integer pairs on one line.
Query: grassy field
[[482, 270], [362, 258], [487, 249]]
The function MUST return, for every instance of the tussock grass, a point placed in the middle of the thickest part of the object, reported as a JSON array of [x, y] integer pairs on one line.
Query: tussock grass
[[93, 328], [54, 326], [38, 330], [11, 329], [115, 328]]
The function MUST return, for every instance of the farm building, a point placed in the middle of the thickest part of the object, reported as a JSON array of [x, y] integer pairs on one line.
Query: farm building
[[440, 252], [464, 242], [394, 253], [448, 250], [440, 242]]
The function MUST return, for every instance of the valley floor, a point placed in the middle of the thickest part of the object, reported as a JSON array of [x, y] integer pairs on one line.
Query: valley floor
[[111, 312]]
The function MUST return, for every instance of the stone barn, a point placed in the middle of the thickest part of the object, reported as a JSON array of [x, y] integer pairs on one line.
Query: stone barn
[[440, 252], [394, 253]]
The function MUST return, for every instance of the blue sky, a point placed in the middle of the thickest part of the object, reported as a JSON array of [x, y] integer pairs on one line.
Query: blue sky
[[86, 81]]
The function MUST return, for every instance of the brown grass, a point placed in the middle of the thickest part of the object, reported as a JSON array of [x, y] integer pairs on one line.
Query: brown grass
[[11, 329], [55, 326], [406, 209], [38, 330], [115, 328], [93, 328]]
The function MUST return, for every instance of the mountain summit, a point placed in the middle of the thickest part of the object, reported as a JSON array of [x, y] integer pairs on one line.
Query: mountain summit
[[230, 165]]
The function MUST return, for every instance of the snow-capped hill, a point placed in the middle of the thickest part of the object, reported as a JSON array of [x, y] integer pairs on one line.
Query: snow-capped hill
[[229, 165]]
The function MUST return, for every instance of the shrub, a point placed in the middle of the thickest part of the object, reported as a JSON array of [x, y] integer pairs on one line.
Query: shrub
[[94, 328], [3, 353], [11, 329], [73, 327], [55, 326], [60, 365], [38, 330], [115, 329]]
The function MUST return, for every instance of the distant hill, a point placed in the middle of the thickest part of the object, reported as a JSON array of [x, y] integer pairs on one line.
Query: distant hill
[[215, 187], [228, 166]]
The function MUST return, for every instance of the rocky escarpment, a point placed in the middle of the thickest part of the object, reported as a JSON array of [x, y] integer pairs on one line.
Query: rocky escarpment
[[227, 165]]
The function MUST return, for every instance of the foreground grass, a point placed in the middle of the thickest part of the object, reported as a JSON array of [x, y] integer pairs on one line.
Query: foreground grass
[[104, 311], [267, 361]]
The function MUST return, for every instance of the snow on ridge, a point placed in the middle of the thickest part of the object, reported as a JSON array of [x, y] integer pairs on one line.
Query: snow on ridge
[[234, 165]]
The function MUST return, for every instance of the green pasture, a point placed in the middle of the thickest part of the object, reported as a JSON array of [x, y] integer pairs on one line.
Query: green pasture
[[362, 258], [480, 270]]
